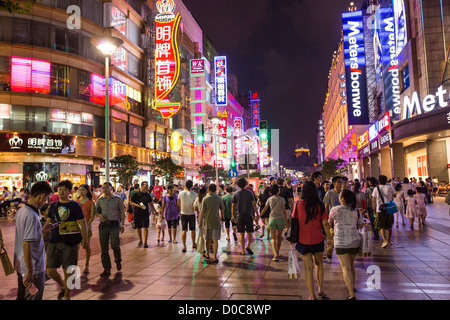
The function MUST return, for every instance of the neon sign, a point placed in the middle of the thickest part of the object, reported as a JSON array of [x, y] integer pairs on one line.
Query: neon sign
[[167, 59], [198, 92], [255, 107], [238, 122], [363, 139], [412, 105], [223, 143], [30, 75], [355, 67], [220, 65]]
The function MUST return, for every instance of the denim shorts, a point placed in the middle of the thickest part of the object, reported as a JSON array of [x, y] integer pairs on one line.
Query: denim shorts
[[310, 248]]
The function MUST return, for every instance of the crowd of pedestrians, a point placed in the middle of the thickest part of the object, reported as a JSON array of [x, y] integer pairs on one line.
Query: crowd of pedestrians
[[54, 225]]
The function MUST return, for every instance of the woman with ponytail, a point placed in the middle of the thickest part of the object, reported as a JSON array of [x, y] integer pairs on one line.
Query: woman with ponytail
[[346, 221]]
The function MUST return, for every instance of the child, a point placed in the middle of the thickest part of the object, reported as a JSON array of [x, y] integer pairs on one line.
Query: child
[[421, 206], [399, 201], [411, 208], [160, 222]]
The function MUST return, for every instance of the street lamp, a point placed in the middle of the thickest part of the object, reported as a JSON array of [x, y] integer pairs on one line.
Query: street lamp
[[215, 120], [107, 45]]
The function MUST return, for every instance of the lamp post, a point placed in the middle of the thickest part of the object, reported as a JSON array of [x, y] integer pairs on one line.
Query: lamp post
[[106, 45], [215, 120]]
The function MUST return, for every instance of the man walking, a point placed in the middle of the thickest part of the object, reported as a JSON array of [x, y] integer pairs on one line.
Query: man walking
[[186, 199], [142, 201], [29, 248], [243, 211], [71, 231], [331, 200], [384, 221], [370, 208], [111, 211], [211, 214]]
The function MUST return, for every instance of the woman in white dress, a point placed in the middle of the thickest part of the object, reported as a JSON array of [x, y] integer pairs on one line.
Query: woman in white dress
[[399, 201]]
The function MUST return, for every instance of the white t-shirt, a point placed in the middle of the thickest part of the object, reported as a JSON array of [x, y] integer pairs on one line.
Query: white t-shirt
[[345, 222], [388, 194], [187, 199]]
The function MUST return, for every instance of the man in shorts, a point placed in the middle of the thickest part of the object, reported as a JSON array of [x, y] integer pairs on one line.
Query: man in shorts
[[141, 202], [211, 215], [243, 212], [186, 199], [69, 215]]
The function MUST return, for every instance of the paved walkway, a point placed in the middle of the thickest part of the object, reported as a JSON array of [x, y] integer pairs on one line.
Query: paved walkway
[[416, 268]]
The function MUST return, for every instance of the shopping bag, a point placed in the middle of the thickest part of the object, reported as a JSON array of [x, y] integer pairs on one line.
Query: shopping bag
[[200, 242], [293, 267], [6, 263], [366, 241]]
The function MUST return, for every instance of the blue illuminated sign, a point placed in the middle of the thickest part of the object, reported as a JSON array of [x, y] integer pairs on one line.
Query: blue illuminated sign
[[390, 68], [373, 131], [355, 67], [221, 82]]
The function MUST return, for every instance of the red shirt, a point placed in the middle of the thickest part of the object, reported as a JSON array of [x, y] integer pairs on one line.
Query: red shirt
[[157, 190], [310, 233]]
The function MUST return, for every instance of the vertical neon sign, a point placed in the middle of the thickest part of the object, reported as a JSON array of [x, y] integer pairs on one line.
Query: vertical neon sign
[[221, 91], [167, 59]]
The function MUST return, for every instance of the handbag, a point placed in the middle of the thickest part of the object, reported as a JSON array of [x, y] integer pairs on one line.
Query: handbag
[[294, 230], [6, 263], [387, 207], [293, 267]]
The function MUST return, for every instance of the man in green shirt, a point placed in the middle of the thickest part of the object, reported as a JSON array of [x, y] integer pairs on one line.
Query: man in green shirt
[[227, 201], [211, 214]]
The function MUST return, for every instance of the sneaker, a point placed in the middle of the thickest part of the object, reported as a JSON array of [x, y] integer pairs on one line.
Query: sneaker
[[65, 298], [384, 245]]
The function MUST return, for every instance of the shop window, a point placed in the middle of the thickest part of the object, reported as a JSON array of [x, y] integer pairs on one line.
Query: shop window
[[21, 32], [41, 34], [118, 130], [29, 118], [84, 85], [92, 10], [134, 66], [150, 139], [135, 135], [161, 140], [6, 29], [5, 74], [133, 33], [60, 80], [73, 42], [60, 39], [33, 172]]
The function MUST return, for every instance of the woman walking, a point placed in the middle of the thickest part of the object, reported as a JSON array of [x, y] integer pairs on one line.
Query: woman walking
[[88, 207], [277, 219], [171, 213], [264, 217], [399, 201], [411, 208], [346, 220], [312, 217]]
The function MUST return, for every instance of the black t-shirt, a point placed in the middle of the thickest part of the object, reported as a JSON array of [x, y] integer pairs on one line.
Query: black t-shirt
[[243, 201], [67, 214], [145, 198], [286, 194]]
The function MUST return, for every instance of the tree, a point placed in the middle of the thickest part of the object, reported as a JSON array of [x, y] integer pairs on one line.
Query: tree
[[333, 167], [14, 6], [208, 172], [126, 168], [168, 169]]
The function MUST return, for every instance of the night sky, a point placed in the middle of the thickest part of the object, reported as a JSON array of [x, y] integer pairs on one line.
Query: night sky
[[283, 51]]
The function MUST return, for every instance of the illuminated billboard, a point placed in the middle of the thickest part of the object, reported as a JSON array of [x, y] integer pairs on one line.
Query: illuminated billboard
[[255, 109], [220, 72], [389, 60], [30, 75], [167, 59], [355, 67]]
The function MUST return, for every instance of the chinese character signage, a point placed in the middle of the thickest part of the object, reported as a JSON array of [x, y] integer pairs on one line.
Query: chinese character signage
[[37, 143], [198, 92], [223, 143], [255, 107], [220, 71], [73, 117], [238, 123], [118, 20], [119, 59], [363, 139], [167, 59], [355, 68]]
